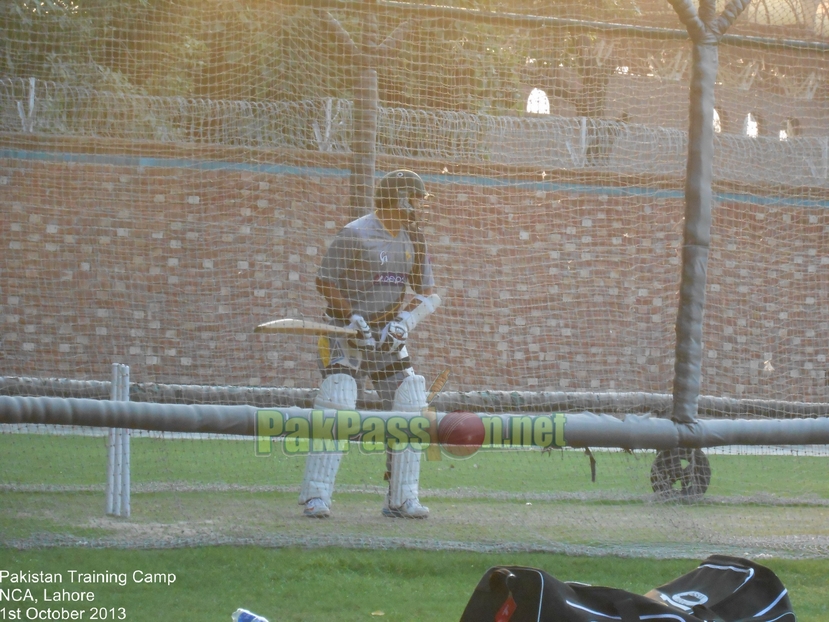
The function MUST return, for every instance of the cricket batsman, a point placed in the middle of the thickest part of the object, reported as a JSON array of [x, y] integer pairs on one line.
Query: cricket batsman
[[364, 278]]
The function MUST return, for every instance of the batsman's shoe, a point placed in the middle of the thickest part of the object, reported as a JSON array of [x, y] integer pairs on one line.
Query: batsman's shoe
[[316, 508], [411, 508]]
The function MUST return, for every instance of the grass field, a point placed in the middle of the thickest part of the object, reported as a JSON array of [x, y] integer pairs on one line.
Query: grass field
[[33, 459], [291, 584], [212, 492]]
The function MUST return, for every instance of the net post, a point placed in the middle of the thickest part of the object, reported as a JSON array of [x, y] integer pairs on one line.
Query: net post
[[125, 445], [111, 442], [118, 450]]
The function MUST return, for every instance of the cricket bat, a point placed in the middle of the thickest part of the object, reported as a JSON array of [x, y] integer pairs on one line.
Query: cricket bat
[[433, 451], [304, 327], [307, 327]]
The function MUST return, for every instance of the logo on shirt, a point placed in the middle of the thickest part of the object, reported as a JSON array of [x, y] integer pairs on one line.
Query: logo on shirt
[[384, 258], [389, 278]]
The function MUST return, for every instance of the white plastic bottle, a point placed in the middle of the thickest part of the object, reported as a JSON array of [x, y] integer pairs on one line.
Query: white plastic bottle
[[243, 615]]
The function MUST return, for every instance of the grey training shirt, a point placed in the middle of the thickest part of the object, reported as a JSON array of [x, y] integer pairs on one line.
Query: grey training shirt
[[370, 267]]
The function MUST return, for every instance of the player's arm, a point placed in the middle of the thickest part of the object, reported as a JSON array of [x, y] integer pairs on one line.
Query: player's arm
[[337, 303], [422, 282], [394, 335], [421, 279], [425, 287], [339, 259], [425, 292], [340, 307]]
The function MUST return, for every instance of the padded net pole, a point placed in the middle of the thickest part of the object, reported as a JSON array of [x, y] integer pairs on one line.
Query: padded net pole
[[705, 30]]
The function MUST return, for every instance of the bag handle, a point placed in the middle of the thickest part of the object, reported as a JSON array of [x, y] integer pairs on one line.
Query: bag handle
[[627, 609], [704, 613]]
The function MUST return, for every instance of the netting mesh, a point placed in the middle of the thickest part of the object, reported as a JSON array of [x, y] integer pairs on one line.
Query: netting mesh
[[172, 175]]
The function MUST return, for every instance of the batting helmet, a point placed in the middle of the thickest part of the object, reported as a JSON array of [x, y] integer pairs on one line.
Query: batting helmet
[[397, 187]]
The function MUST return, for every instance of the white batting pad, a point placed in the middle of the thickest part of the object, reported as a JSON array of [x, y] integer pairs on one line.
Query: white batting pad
[[411, 395], [320, 473], [338, 391], [405, 465], [405, 477]]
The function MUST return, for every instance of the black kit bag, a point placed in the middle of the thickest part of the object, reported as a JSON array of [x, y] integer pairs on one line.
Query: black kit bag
[[729, 589], [721, 589]]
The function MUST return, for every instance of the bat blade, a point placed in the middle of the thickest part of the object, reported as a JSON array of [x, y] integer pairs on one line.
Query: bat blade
[[290, 326], [438, 384], [433, 450]]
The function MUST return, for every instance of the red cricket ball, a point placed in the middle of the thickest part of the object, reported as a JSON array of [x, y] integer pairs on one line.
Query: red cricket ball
[[461, 433]]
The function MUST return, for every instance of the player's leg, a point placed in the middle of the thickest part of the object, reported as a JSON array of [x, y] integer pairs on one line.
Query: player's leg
[[338, 391], [403, 467]]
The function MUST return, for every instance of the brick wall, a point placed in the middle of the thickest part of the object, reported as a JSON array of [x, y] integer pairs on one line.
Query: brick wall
[[168, 264]]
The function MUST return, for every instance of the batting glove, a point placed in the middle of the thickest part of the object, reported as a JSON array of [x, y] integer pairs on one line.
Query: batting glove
[[393, 336], [364, 340]]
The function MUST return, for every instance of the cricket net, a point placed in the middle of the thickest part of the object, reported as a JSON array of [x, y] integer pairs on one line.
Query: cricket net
[[171, 176]]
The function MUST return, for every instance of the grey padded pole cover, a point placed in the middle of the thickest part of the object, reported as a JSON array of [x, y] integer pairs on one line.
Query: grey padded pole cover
[[705, 30], [132, 415], [657, 404], [580, 429]]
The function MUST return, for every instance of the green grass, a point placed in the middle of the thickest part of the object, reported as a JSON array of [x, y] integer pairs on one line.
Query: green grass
[[335, 584], [487, 499], [527, 498], [80, 461]]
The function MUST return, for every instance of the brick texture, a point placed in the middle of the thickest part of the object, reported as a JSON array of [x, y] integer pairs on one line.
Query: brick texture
[[168, 268]]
